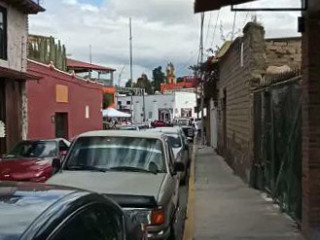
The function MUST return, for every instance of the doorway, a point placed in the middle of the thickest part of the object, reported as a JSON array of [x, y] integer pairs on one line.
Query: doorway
[[61, 125]]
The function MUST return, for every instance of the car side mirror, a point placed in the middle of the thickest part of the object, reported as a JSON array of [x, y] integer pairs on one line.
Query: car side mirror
[[56, 164], [178, 167]]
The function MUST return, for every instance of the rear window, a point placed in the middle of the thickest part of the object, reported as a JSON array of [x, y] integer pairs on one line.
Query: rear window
[[113, 152], [34, 149]]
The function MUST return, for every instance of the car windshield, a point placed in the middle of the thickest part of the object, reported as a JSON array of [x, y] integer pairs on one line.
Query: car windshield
[[33, 149], [117, 154], [175, 141]]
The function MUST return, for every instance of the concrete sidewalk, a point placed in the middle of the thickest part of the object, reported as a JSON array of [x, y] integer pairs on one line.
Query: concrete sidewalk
[[226, 208]]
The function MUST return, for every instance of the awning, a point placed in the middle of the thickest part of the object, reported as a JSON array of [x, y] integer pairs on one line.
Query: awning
[[113, 113], [209, 5], [16, 75]]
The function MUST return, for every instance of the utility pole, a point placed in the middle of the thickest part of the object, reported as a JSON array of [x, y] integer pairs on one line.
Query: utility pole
[[144, 105], [90, 58], [202, 81], [130, 39], [131, 71]]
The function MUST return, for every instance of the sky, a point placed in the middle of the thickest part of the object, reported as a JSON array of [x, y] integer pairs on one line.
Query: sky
[[163, 31]]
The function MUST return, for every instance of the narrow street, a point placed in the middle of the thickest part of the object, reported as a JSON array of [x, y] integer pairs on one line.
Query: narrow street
[[226, 208]]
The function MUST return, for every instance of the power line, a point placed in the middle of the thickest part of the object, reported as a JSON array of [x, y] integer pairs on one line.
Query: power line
[[215, 28], [208, 28]]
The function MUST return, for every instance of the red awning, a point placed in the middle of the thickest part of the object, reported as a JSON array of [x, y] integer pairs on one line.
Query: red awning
[[209, 5], [79, 66], [16, 75]]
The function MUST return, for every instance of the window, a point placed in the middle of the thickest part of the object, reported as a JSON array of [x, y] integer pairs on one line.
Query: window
[[117, 153], [150, 115], [62, 146], [96, 222], [3, 33], [33, 149]]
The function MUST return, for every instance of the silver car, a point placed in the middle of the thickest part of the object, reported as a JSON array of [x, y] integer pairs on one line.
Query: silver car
[[179, 144], [136, 169]]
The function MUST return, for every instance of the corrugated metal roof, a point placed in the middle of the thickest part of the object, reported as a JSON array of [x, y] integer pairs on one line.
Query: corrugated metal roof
[[209, 5]]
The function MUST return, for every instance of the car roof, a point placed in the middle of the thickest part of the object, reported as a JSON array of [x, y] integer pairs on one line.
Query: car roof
[[22, 203], [166, 130], [45, 140], [124, 133]]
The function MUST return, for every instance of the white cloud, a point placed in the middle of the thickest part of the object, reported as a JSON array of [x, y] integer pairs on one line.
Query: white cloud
[[69, 2], [163, 31]]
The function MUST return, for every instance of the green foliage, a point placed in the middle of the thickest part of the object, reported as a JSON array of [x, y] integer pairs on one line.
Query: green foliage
[[128, 83], [143, 82], [179, 79], [107, 100], [158, 77]]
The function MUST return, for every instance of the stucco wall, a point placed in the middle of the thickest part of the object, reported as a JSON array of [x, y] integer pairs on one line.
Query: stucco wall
[[42, 103], [17, 39]]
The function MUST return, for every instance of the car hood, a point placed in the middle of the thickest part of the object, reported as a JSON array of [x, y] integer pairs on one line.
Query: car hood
[[124, 183], [20, 169]]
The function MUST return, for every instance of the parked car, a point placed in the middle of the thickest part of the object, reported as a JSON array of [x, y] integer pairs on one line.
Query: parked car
[[189, 132], [136, 169], [178, 143], [182, 121], [31, 211], [158, 123], [32, 160], [129, 128]]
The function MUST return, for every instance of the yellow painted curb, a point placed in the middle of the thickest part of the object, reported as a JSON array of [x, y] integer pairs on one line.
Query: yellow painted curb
[[189, 224]]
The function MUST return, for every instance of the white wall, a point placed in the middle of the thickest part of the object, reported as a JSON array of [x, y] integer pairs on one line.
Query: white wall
[[185, 100], [17, 39]]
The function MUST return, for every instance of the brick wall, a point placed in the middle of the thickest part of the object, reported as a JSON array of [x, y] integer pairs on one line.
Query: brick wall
[[284, 51], [240, 69]]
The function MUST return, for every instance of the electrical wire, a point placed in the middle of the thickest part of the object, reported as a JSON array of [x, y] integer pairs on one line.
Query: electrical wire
[[215, 29]]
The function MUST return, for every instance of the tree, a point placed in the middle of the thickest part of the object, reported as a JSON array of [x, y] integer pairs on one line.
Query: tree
[[158, 77], [128, 83], [107, 100], [143, 82]]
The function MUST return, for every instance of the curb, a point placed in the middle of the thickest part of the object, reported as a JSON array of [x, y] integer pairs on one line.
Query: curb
[[189, 223]]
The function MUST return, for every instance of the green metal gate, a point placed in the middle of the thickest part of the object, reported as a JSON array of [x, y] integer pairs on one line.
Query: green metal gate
[[277, 124]]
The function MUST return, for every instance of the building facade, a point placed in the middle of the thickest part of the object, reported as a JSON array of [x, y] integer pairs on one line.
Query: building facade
[[62, 104], [13, 70], [164, 107]]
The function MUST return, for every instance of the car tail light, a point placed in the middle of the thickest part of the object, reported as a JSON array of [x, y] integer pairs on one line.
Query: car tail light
[[157, 217]]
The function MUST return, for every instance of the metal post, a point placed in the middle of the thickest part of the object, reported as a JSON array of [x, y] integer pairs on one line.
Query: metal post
[[144, 105], [202, 81], [131, 70]]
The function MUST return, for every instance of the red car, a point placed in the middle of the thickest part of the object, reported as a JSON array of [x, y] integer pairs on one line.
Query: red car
[[158, 123], [32, 160]]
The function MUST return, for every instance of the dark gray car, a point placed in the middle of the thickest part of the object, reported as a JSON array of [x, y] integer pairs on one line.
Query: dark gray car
[[136, 169]]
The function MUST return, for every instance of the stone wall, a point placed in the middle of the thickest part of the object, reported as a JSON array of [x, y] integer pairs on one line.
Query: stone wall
[[284, 51], [240, 70]]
